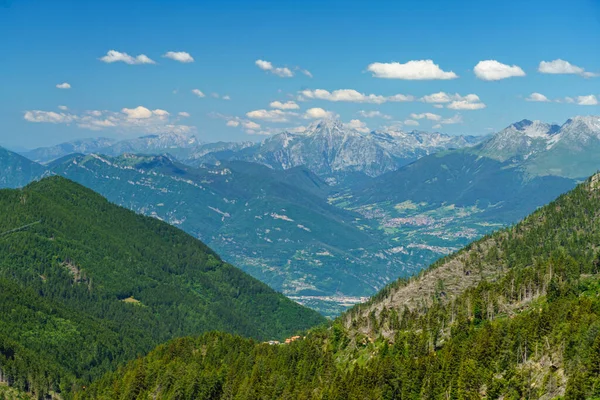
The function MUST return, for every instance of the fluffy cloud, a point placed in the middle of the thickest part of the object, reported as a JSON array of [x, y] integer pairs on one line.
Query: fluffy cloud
[[411, 122], [351, 96], [139, 112], [306, 72], [63, 85], [113, 56], [559, 66], [456, 119], [492, 70], [233, 123], [427, 115], [180, 56], [271, 115], [226, 97], [373, 114], [250, 125], [288, 105], [50, 117], [457, 102], [198, 93], [183, 114], [412, 70], [282, 72], [357, 125], [139, 119], [63, 108], [317, 113], [437, 126], [537, 97], [590, 100]]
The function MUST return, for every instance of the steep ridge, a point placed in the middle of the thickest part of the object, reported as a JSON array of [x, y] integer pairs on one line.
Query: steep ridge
[[514, 315], [17, 170], [86, 285]]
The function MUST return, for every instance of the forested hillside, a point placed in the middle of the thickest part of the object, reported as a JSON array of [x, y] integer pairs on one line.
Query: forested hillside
[[516, 315], [86, 285]]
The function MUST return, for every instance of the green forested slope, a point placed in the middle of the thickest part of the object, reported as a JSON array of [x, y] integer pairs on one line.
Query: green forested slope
[[90, 285], [530, 329]]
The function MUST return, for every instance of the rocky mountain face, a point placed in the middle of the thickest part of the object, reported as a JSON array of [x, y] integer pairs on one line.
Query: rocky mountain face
[[569, 150], [327, 148]]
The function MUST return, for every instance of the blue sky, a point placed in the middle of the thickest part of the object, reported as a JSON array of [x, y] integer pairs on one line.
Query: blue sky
[[361, 48]]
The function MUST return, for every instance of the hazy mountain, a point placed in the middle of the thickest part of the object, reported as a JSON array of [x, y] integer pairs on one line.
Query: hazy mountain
[[46, 154], [17, 170]]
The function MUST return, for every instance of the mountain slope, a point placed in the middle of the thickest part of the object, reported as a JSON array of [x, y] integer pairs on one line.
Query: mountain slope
[[514, 315], [276, 225], [17, 170], [86, 284]]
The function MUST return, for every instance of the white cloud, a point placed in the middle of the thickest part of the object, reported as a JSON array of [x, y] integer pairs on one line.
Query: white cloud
[[297, 129], [352, 96], [282, 72], [49, 117], [183, 114], [411, 122], [466, 105], [198, 93], [233, 123], [316, 113], [357, 125], [373, 114], [559, 66], [412, 70], [226, 97], [270, 115], [307, 73], [115, 56], [180, 56], [456, 119], [288, 105], [590, 100], [438, 106], [457, 102], [63, 85], [492, 70], [439, 97], [437, 126], [427, 115], [139, 112], [63, 108], [250, 125], [537, 97], [160, 113], [138, 120]]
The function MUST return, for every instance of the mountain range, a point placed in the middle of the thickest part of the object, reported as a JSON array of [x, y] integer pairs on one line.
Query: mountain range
[[269, 221], [513, 315]]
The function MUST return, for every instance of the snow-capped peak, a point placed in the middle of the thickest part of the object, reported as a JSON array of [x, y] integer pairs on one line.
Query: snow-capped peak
[[533, 129]]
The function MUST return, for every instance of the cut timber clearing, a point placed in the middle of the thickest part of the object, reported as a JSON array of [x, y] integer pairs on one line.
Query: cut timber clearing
[[20, 228]]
